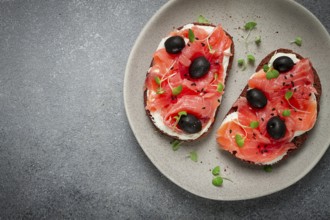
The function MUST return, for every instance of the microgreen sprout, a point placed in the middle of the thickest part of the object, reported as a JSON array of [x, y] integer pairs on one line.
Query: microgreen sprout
[[254, 124], [268, 168], [160, 90], [241, 63], [286, 113], [239, 140], [272, 74], [216, 171], [251, 58], [288, 95], [193, 156], [178, 117], [220, 87], [297, 41], [201, 19], [257, 40], [176, 144], [218, 180], [177, 90], [191, 36]]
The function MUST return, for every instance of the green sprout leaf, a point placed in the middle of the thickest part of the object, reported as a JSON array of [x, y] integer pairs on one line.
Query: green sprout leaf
[[216, 171], [239, 140], [177, 90], [176, 144], [220, 87], [217, 181], [251, 58], [202, 19], [191, 36], [286, 113], [265, 68], [157, 80], [257, 40], [288, 95], [160, 90], [254, 124], [250, 25], [297, 41], [241, 63], [268, 168], [193, 156], [182, 113], [272, 74]]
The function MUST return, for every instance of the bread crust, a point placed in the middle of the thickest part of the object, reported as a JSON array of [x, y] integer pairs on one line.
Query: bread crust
[[299, 140], [232, 49]]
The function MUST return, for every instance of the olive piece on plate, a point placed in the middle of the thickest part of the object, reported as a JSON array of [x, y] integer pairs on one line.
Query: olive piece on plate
[[276, 127], [199, 67], [190, 124], [283, 64], [174, 45], [256, 98]]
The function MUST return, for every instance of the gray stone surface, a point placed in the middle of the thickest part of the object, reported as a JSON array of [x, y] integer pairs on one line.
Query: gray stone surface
[[66, 149]]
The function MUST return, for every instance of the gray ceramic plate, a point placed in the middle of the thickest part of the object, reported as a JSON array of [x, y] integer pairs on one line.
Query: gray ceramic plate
[[278, 22]]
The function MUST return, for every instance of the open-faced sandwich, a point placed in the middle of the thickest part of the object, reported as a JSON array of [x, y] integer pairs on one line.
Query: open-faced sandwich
[[275, 111], [186, 80]]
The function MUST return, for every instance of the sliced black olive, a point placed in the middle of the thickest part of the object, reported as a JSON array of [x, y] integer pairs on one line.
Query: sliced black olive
[[174, 44], [199, 67], [283, 64], [190, 124], [256, 98], [276, 127]]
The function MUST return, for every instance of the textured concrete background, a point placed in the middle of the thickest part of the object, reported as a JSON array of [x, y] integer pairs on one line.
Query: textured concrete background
[[66, 149]]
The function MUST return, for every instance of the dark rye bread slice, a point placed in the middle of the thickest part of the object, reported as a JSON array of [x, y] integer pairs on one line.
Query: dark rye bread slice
[[232, 49], [299, 140]]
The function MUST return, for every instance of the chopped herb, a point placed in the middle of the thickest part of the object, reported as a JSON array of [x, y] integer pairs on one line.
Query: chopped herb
[[286, 112], [297, 41], [176, 144], [250, 58], [239, 140], [177, 90], [288, 95], [216, 171], [220, 87], [160, 90], [241, 63], [268, 168], [193, 156], [250, 25], [257, 40], [157, 80], [191, 36], [217, 181], [254, 124], [266, 68], [202, 19], [178, 117], [272, 74]]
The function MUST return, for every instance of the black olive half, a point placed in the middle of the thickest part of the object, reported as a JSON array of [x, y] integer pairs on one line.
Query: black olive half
[[276, 127], [190, 124], [174, 44], [283, 64], [256, 98], [199, 67]]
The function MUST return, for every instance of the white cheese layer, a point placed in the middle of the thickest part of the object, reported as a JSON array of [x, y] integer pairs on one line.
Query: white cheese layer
[[157, 118]]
